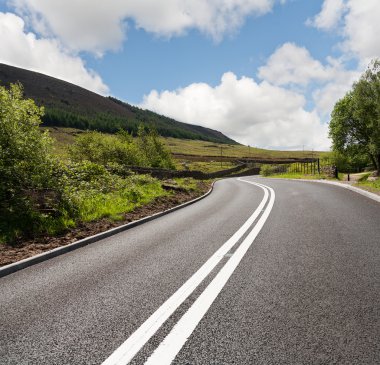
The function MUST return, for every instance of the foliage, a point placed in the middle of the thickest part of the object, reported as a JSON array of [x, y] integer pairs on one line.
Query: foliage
[[298, 175], [103, 149], [364, 177], [370, 185], [154, 151], [267, 170], [94, 192], [355, 122], [348, 162], [40, 194], [187, 183], [26, 162], [146, 150], [291, 171], [68, 116]]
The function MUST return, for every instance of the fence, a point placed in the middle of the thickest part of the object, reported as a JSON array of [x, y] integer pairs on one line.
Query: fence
[[246, 167], [306, 167]]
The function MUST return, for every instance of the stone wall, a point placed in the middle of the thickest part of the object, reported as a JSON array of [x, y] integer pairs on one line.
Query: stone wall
[[169, 174]]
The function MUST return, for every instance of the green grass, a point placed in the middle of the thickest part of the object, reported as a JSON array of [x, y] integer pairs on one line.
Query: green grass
[[187, 183], [373, 186], [364, 177], [202, 148], [66, 136], [93, 205], [297, 176]]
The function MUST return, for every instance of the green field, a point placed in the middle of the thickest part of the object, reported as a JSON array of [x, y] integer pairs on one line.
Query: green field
[[66, 136], [202, 148]]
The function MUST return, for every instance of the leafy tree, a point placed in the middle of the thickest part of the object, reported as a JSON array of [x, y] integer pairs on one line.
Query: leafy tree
[[154, 151], [355, 122], [26, 161]]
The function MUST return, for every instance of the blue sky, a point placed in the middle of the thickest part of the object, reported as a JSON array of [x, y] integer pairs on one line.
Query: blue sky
[[265, 72], [159, 63]]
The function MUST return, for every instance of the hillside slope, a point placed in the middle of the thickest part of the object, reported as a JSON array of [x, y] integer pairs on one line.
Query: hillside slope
[[68, 105]]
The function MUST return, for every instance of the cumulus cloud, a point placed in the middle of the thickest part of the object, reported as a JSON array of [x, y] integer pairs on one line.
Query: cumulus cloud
[[291, 64], [258, 114], [330, 15], [358, 23], [294, 65], [362, 28], [98, 26], [22, 49], [340, 82]]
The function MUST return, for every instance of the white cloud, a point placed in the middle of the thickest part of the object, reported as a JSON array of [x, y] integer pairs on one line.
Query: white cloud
[[291, 64], [358, 23], [25, 50], [330, 15], [81, 25], [362, 29], [98, 26], [340, 83], [258, 114]]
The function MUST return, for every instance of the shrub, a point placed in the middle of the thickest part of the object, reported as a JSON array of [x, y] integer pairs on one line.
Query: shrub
[[267, 170], [154, 152], [93, 192], [26, 162], [104, 149], [145, 150]]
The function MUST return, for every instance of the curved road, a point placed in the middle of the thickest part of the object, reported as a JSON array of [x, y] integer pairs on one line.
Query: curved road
[[285, 273]]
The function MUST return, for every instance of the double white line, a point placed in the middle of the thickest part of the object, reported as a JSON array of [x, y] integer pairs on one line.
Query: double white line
[[174, 341]]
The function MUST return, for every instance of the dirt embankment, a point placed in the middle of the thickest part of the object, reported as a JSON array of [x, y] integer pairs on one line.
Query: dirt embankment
[[31, 247]]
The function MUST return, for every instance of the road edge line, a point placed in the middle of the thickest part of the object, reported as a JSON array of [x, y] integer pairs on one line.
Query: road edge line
[[44, 256]]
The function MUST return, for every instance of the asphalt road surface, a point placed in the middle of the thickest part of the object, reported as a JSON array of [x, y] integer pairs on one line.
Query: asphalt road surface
[[285, 273]]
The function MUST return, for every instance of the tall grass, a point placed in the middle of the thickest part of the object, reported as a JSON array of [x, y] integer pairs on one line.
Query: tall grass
[[133, 192]]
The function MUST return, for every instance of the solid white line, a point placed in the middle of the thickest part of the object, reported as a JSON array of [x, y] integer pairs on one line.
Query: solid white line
[[124, 354], [174, 341]]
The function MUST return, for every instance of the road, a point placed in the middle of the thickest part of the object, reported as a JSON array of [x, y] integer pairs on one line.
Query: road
[[283, 274]]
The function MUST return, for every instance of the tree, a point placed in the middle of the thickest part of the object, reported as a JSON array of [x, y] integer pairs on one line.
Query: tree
[[26, 161], [355, 122], [154, 151]]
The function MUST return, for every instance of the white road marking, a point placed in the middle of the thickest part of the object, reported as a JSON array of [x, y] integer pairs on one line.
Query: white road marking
[[174, 341], [125, 353]]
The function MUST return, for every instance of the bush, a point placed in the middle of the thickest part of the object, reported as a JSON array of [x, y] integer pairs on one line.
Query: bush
[[104, 149], [26, 162], [40, 194], [93, 192], [153, 150], [267, 170], [146, 150]]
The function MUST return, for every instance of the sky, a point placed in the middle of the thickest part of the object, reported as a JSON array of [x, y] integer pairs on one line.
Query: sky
[[266, 73]]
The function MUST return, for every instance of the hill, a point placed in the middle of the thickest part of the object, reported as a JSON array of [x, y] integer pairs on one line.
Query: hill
[[68, 105]]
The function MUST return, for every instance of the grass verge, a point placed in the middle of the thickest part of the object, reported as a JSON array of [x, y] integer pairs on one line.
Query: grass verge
[[372, 186], [297, 176], [182, 191]]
